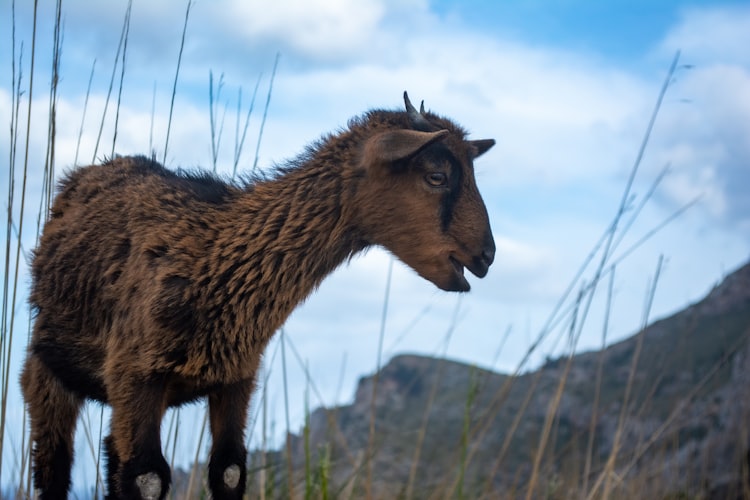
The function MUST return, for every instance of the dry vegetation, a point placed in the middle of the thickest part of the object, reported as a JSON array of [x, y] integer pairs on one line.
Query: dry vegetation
[[310, 470]]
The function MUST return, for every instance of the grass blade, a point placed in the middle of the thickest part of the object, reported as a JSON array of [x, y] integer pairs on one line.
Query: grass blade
[[123, 36], [290, 468], [8, 341], [371, 432], [176, 79], [265, 113]]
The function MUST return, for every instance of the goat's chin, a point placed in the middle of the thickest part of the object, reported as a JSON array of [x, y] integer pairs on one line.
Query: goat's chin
[[452, 279], [446, 273], [456, 284]]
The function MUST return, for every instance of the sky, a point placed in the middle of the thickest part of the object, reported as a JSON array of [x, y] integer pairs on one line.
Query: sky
[[565, 88]]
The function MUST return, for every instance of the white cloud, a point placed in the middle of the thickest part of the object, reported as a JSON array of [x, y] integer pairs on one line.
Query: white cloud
[[708, 34], [323, 29], [708, 131]]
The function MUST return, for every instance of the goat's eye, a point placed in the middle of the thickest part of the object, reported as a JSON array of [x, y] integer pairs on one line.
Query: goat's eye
[[436, 179]]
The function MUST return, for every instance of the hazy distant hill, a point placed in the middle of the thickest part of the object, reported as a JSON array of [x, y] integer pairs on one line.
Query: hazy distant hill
[[685, 434]]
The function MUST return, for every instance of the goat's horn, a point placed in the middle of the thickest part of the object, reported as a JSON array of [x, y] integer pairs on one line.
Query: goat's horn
[[417, 117], [409, 106]]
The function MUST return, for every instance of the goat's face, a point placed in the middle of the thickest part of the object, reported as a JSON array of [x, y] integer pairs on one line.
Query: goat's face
[[422, 204]]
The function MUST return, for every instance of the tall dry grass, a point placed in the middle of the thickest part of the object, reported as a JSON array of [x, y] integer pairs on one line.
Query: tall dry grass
[[275, 475]]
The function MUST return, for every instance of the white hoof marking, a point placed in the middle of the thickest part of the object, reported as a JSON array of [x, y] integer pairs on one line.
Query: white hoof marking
[[149, 485], [232, 476]]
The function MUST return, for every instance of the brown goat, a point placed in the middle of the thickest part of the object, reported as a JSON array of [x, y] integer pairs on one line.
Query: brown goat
[[153, 288]]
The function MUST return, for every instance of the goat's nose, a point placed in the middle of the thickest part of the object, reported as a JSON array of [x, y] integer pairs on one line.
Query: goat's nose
[[488, 253]]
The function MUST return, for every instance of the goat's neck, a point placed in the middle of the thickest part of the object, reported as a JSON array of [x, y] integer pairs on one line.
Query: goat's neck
[[282, 237]]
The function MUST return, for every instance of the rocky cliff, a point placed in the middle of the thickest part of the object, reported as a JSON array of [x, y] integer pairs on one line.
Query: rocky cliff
[[442, 426]]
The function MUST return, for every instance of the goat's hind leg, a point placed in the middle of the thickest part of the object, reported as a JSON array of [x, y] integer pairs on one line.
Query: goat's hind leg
[[53, 411], [227, 472], [136, 467]]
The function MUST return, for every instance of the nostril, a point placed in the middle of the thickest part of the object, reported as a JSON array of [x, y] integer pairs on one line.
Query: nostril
[[488, 253]]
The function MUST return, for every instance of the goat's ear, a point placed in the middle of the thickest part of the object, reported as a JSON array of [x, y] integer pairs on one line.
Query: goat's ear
[[481, 146], [397, 145]]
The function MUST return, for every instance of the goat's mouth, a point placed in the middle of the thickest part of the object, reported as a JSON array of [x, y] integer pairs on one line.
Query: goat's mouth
[[478, 268], [458, 282]]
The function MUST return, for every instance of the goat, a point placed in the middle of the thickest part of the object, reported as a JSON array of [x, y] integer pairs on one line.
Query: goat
[[153, 288]]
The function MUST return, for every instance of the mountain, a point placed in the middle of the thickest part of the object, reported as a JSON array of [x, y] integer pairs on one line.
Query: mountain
[[446, 429]]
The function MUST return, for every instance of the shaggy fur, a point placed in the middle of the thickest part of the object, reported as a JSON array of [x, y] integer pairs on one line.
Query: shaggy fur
[[154, 288]]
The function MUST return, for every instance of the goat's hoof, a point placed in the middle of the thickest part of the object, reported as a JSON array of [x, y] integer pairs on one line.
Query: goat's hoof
[[149, 485], [232, 476]]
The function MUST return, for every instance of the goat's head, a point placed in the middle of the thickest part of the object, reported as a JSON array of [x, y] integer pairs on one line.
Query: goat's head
[[422, 199]]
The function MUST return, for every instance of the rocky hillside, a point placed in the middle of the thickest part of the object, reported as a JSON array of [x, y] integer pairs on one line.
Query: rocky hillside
[[445, 429], [453, 427]]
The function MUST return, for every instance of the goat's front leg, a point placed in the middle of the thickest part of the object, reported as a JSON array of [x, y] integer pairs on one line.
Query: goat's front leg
[[227, 472], [137, 467]]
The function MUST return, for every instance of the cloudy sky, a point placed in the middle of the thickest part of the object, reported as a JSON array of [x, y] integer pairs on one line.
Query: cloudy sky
[[565, 88]]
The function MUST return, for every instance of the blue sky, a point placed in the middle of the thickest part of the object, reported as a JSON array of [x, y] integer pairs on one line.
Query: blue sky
[[566, 88], [620, 29]]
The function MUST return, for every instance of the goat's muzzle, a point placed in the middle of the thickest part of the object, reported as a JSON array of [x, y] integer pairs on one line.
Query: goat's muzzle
[[481, 263]]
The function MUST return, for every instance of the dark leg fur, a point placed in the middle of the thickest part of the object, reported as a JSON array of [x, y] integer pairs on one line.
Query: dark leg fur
[[113, 467], [53, 411], [136, 467], [227, 471]]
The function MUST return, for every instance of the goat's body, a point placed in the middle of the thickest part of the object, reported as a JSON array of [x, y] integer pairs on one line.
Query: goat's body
[[178, 265], [153, 288], [170, 280]]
